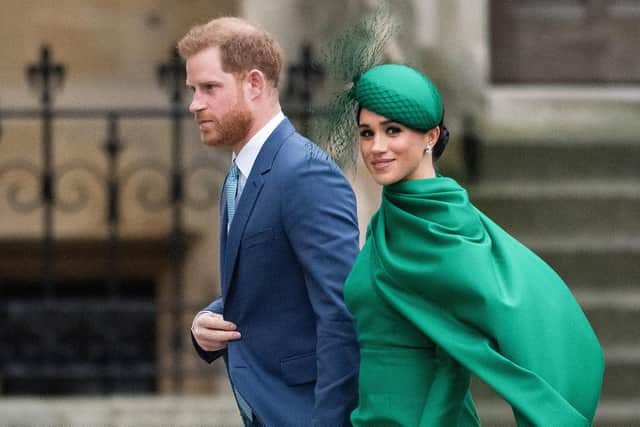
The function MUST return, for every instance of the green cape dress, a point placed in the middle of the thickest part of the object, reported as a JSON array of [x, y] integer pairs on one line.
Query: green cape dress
[[440, 292]]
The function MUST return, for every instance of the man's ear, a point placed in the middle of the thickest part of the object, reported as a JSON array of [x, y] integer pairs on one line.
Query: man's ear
[[255, 83]]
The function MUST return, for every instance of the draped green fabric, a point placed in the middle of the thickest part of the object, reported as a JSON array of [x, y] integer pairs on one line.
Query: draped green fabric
[[440, 292]]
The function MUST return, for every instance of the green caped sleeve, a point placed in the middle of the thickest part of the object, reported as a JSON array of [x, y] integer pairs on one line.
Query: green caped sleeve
[[487, 301]]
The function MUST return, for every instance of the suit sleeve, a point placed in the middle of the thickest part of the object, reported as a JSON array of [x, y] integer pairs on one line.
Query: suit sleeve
[[209, 356], [319, 214]]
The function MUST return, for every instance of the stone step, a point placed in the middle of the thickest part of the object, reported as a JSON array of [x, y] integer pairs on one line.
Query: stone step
[[621, 377], [590, 263], [610, 413], [220, 411], [121, 411], [622, 372], [614, 315], [618, 413], [607, 209], [537, 161]]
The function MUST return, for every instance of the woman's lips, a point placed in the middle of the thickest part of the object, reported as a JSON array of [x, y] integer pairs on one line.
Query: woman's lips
[[380, 165]]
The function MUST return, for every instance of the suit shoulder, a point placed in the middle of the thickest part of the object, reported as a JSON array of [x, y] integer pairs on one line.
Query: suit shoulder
[[300, 152]]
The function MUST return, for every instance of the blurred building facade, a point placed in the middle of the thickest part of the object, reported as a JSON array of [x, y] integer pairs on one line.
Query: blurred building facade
[[109, 231]]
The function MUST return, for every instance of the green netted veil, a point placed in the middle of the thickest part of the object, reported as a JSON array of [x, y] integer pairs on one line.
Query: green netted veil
[[345, 59]]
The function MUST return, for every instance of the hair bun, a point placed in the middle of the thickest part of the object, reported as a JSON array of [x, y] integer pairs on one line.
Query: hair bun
[[443, 139]]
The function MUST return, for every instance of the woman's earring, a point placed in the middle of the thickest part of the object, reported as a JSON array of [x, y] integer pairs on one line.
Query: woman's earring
[[428, 150]]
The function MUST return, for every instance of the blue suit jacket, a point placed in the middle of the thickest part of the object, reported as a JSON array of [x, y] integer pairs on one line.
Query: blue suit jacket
[[290, 247]]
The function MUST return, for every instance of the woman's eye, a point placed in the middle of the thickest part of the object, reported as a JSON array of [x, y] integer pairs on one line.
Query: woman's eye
[[392, 130], [366, 133]]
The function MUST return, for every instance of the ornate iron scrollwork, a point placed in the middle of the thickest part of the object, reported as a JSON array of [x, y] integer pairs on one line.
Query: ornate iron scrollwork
[[16, 189], [64, 200], [147, 193], [199, 171]]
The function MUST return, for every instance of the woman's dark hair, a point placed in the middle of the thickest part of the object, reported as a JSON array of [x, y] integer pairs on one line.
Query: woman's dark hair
[[443, 139]]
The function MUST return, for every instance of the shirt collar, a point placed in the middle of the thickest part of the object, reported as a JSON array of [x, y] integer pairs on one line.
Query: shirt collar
[[248, 154]]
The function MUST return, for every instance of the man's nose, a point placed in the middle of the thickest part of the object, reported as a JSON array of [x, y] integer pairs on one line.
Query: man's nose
[[196, 104]]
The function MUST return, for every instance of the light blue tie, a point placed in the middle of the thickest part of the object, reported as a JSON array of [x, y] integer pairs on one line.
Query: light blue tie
[[230, 189]]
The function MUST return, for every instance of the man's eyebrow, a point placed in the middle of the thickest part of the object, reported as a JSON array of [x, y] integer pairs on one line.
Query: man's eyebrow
[[205, 83]]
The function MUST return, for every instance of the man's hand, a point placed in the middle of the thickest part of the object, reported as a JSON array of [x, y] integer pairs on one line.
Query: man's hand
[[212, 332]]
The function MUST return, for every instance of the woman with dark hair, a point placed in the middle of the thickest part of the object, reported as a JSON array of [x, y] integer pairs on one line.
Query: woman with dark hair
[[440, 292]]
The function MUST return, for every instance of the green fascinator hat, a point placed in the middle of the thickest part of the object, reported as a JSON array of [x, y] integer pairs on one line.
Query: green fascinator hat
[[400, 93]]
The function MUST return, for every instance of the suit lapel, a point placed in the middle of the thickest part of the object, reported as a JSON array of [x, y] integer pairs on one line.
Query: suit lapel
[[250, 193]]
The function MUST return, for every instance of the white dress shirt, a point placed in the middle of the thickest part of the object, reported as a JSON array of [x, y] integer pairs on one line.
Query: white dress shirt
[[248, 154]]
